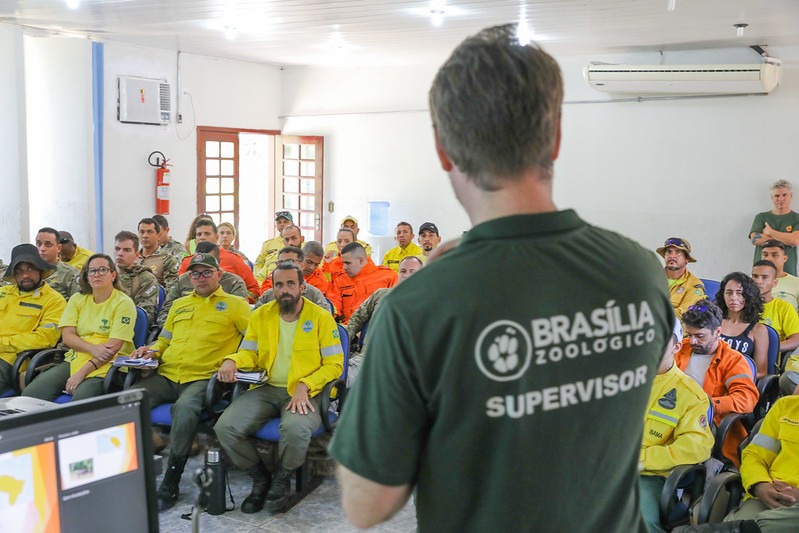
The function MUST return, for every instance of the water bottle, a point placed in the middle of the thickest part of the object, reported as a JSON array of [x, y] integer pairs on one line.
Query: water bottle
[[215, 492]]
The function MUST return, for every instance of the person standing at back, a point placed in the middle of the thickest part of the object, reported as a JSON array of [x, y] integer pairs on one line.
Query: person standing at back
[[781, 224], [518, 406]]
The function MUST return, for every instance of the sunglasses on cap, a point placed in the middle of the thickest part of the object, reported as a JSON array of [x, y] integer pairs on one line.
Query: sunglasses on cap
[[699, 308], [674, 241]]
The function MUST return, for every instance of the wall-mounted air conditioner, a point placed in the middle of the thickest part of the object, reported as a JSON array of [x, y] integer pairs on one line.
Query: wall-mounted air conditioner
[[684, 79], [144, 101]]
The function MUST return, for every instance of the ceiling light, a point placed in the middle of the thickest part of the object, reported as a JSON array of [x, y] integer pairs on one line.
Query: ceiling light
[[437, 16], [523, 33], [337, 41], [73, 4], [230, 33], [672, 5], [739, 28]]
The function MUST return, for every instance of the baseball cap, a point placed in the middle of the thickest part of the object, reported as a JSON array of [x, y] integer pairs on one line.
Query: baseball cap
[[773, 243], [204, 260], [678, 243], [348, 217], [284, 214], [429, 226]]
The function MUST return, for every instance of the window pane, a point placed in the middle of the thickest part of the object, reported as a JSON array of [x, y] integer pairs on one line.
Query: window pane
[[307, 233], [227, 186], [307, 203], [211, 149], [211, 204], [215, 216], [291, 151], [291, 185], [212, 185], [307, 151], [307, 168], [228, 217], [227, 167], [227, 202], [227, 150], [291, 168], [291, 201], [211, 167], [307, 186], [307, 220]]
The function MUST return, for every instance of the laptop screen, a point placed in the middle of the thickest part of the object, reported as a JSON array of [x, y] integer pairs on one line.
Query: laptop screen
[[83, 466]]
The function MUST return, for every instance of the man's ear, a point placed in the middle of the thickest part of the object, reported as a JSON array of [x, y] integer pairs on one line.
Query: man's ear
[[446, 163], [557, 142]]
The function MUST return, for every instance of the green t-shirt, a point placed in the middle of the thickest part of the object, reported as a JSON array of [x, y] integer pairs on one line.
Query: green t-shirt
[[509, 380], [788, 223]]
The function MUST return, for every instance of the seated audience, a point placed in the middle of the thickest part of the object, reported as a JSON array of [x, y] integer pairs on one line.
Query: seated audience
[[333, 268], [429, 239], [65, 278], [777, 313], [270, 248], [97, 325], [287, 253], [722, 372], [685, 289], [297, 343], [227, 236], [676, 431], [71, 253], [29, 309], [200, 329], [160, 262], [787, 285], [293, 255], [405, 247], [137, 281], [230, 283], [360, 279], [741, 306], [350, 222], [313, 256], [165, 241]]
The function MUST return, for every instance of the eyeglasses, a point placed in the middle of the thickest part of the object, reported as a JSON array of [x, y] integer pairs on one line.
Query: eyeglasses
[[674, 241], [102, 271], [194, 274]]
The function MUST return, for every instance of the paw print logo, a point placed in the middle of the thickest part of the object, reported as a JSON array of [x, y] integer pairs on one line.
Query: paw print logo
[[503, 351]]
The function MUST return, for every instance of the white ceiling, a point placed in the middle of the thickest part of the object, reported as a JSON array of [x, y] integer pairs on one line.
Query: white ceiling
[[391, 32]]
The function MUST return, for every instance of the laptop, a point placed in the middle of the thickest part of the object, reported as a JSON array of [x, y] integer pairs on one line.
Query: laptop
[[81, 466]]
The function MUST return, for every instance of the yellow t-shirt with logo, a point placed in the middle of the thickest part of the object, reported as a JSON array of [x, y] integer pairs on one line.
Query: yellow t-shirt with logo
[[781, 316], [115, 318]]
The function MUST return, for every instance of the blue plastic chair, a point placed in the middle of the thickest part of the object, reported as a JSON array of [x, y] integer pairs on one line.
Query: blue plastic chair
[[773, 349], [711, 288], [161, 299]]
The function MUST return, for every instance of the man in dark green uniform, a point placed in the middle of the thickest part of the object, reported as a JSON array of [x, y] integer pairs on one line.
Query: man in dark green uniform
[[511, 397], [781, 224]]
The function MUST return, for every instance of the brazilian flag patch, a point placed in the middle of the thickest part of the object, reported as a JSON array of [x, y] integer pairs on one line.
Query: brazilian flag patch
[[125, 320]]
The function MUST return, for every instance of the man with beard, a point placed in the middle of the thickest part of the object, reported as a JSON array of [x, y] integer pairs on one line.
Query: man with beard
[[297, 344], [684, 288], [722, 372], [429, 239], [29, 309]]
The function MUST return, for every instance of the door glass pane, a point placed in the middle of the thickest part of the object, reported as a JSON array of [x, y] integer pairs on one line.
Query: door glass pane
[[227, 202], [291, 201], [307, 168], [211, 204], [211, 167], [291, 151], [227, 167], [307, 203], [307, 220], [291, 168], [308, 186], [227, 149], [211, 149], [291, 185], [228, 217], [212, 185], [215, 216], [307, 151], [227, 185]]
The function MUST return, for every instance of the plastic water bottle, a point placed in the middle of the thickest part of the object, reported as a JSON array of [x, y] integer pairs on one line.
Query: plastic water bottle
[[215, 469]]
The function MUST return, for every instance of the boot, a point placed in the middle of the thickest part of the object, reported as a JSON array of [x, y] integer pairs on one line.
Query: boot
[[736, 526], [281, 488], [196, 448], [169, 490], [159, 442], [261, 480]]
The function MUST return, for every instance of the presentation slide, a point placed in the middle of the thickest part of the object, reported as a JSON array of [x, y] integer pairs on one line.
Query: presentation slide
[[28, 492], [98, 455]]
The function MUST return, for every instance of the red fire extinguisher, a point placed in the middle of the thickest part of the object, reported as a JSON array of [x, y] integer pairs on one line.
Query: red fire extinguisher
[[161, 182]]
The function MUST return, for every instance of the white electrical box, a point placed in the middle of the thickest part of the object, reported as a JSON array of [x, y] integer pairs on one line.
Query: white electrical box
[[144, 101]]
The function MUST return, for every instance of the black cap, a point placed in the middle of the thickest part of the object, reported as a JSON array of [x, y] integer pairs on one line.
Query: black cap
[[429, 226]]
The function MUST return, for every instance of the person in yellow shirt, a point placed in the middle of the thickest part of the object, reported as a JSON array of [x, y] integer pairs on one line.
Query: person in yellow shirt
[[685, 289], [676, 430], [405, 247], [429, 239], [350, 222], [200, 329], [271, 247], [297, 344], [29, 309], [777, 313], [97, 325], [71, 253]]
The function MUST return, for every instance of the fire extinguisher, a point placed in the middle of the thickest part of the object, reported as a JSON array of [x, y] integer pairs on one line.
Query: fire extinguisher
[[161, 182]]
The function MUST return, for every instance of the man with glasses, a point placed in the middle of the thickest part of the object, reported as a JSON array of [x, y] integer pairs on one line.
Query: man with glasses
[[200, 329], [65, 278], [293, 255], [721, 371], [29, 309], [781, 223], [685, 289], [137, 281]]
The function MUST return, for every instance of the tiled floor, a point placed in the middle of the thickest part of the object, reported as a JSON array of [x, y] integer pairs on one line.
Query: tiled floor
[[320, 512]]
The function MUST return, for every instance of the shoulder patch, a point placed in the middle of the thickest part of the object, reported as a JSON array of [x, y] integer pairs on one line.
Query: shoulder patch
[[702, 421], [221, 306], [125, 320], [668, 400]]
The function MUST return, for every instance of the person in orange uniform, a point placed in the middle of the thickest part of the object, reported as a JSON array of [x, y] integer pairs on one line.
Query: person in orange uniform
[[313, 256], [334, 267], [722, 372], [206, 231], [360, 279]]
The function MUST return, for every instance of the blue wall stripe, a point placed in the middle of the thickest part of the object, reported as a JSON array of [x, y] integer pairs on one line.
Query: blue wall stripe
[[98, 60]]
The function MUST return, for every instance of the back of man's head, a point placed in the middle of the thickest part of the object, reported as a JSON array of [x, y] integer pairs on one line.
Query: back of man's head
[[703, 314], [355, 249], [207, 247], [162, 221], [495, 105]]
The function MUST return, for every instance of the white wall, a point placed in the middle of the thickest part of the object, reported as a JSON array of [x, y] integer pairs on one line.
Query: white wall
[[699, 169]]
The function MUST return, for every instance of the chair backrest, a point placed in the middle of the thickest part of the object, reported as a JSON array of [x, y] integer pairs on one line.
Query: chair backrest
[[752, 367], [773, 349], [345, 345], [362, 334], [711, 288], [140, 328], [161, 298], [331, 307]]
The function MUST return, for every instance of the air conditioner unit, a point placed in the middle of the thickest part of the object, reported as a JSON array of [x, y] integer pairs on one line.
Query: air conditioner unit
[[144, 100], [684, 79]]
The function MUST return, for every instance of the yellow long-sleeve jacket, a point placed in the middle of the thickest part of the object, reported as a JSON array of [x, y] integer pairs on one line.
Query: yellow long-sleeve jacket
[[316, 358], [685, 292], [28, 320], [773, 454], [676, 427]]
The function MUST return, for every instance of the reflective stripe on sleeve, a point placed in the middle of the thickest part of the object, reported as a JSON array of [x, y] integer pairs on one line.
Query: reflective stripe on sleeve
[[769, 443], [51, 325], [165, 333], [327, 351], [672, 421], [737, 376], [249, 345]]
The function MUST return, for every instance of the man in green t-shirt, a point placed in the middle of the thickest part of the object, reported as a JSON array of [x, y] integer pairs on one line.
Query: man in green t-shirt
[[781, 223], [509, 395]]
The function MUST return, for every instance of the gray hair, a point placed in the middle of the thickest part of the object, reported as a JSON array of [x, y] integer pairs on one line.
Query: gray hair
[[782, 184], [313, 248]]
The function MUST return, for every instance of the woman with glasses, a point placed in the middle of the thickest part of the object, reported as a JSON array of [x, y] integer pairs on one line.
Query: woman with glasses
[[227, 234], [741, 307], [97, 325]]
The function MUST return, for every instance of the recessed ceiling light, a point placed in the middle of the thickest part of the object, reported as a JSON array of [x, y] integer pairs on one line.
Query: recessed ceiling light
[[230, 33], [73, 4], [739, 28], [437, 16], [672, 5]]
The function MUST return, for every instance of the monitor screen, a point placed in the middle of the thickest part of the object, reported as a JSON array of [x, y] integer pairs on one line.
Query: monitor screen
[[82, 466]]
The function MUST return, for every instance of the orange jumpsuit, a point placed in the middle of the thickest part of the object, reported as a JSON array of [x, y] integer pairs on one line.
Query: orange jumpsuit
[[348, 293]]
